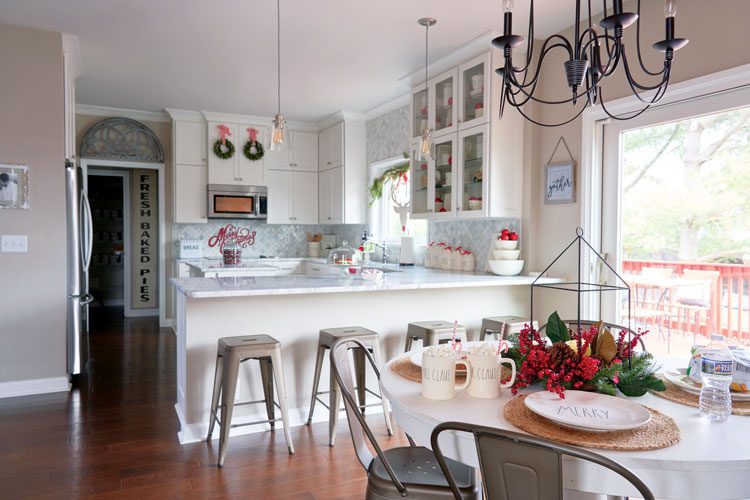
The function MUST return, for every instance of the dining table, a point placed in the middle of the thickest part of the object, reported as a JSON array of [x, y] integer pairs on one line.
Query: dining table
[[710, 462]]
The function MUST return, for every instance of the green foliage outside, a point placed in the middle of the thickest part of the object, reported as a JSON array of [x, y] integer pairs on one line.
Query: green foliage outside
[[687, 190]]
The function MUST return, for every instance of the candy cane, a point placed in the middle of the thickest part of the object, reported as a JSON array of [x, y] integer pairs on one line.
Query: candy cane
[[502, 346]]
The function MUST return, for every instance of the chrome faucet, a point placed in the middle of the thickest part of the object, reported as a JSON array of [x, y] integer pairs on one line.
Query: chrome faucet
[[366, 239]]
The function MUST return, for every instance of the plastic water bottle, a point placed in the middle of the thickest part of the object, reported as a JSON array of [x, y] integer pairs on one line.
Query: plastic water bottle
[[716, 374]]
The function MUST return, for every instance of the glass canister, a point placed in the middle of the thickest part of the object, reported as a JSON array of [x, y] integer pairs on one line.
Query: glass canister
[[343, 256], [231, 252]]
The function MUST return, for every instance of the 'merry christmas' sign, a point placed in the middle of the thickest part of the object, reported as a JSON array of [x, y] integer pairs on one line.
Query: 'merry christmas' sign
[[242, 235]]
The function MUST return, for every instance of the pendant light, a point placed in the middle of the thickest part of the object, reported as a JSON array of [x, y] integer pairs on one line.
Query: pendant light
[[425, 143], [278, 139]]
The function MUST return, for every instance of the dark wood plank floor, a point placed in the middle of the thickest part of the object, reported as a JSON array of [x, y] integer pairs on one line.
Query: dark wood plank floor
[[123, 444]]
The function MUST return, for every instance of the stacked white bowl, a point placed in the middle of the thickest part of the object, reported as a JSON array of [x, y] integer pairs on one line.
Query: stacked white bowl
[[505, 260]]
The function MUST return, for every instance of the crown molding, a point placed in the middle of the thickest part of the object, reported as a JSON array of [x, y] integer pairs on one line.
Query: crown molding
[[340, 116], [267, 120], [388, 106], [148, 116], [472, 48], [72, 50], [184, 115]]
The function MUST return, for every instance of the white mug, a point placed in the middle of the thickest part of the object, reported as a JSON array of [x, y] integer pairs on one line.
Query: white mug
[[476, 82], [439, 376], [486, 373]]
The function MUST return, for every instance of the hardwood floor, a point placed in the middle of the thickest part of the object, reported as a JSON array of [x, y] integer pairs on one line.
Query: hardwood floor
[[123, 444]]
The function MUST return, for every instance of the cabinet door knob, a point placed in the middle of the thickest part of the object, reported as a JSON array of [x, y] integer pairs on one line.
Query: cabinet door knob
[[329, 163]]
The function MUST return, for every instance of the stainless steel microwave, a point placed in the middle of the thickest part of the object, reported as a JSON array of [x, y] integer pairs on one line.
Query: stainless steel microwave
[[228, 201]]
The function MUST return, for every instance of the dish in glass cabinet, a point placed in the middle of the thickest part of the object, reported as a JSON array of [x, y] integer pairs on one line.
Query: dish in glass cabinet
[[588, 411]]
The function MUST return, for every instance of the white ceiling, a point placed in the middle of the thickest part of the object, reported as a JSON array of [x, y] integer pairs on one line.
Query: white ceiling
[[220, 55]]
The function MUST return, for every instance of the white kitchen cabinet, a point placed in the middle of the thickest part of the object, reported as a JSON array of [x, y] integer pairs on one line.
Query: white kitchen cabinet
[[305, 197], [331, 147], [279, 196], [238, 169], [331, 196], [279, 159], [190, 143], [304, 151], [485, 175], [71, 71], [190, 194], [292, 197]]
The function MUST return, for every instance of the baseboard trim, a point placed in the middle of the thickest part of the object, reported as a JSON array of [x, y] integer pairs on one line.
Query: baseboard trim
[[35, 386]]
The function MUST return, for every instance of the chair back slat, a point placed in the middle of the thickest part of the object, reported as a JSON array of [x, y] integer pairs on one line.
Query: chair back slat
[[518, 466], [513, 471]]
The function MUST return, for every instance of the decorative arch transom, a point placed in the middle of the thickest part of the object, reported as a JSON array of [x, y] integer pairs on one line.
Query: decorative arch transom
[[121, 139]]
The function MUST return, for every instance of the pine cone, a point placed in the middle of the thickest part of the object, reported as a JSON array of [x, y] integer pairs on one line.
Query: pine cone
[[558, 353]]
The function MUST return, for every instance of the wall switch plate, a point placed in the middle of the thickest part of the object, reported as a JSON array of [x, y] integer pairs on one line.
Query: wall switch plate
[[14, 243]]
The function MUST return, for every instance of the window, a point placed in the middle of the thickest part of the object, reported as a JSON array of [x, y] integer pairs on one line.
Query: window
[[384, 220]]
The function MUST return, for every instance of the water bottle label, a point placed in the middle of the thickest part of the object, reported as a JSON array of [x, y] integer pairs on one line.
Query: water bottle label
[[714, 367]]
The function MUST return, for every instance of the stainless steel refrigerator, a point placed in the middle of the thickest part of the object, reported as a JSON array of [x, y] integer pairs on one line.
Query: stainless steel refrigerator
[[79, 246]]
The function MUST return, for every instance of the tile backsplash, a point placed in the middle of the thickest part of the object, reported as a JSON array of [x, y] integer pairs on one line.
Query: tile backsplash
[[291, 240]]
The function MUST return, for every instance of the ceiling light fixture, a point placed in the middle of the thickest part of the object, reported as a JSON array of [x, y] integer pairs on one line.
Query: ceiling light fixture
[[425, 143], [591, 57], [278, 142]]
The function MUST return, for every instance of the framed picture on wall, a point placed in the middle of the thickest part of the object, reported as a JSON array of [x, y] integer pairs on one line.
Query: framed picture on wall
[[14, 186], [560, 183]]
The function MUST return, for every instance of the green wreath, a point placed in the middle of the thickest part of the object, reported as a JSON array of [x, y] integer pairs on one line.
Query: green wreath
[[259, 152], [219, 151]]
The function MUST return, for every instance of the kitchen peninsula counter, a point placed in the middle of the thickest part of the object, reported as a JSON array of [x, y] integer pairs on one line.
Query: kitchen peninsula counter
[[294, 308]]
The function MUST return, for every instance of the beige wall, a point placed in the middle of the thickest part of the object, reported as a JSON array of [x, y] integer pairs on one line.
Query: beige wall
[[33, 286], [713, 30], [163, 131]]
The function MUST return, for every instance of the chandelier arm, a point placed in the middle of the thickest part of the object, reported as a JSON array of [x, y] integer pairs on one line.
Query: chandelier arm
[[579, 113], [635, 86], [606, 31], [530, 97], [638, 45], [622, 117], [608, 68], [565, 44]]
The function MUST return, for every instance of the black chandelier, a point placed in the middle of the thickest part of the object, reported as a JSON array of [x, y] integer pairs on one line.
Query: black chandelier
[[592, 56]]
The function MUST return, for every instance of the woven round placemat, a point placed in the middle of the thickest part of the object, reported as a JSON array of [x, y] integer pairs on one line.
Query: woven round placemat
[[405, 368], [660, 432], [674, 393]]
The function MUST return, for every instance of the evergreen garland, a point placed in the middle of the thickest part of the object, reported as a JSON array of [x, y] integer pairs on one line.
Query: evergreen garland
[[219, 149]]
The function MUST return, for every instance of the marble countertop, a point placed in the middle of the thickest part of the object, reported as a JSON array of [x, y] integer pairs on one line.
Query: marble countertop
[[217, 265], [405, 279]]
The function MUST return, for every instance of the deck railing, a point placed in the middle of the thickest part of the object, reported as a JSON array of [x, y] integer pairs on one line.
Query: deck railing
[[730, 298]]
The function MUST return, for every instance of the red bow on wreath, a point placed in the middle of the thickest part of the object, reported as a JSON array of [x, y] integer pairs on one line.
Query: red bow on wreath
[[252, 134], [223, 133]]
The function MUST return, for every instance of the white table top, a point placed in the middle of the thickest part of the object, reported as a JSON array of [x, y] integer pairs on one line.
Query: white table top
[[711, 462]]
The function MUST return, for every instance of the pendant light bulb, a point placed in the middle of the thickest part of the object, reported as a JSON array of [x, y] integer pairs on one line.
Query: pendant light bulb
[[277, 134], [670, 8], [508, 6], [425, 146]]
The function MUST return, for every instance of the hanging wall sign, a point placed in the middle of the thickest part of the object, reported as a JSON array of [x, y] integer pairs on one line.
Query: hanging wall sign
[[242, 235], [559, 178], [145, 240]]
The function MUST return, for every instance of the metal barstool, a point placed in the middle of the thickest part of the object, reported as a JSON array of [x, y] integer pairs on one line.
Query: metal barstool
[[432, 333], [231, 352], [504, 325], [326, 339]]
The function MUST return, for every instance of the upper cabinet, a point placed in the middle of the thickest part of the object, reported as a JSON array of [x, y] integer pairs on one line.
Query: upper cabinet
[[190, 142], [238, 169], [342, 195], [71, 71], [300, 153], [476, 169], [331, 147], [189, 174]]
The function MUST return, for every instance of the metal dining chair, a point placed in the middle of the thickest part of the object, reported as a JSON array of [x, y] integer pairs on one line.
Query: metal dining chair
[[517, 466], [588, 323], [404, 472]]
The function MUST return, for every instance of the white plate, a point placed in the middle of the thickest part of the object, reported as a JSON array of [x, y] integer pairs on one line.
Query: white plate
[[589, 411], [680, 378]]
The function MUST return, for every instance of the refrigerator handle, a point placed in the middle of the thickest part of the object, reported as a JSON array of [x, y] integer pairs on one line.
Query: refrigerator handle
[[87, 240]]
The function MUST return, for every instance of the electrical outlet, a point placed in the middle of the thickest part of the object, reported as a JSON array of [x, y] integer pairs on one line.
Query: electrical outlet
[[287, 239], [14, 243]]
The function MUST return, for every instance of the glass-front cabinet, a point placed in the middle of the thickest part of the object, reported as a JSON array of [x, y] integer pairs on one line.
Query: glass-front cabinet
[[434, 181], [443, 96], [472, 171], [420, 111], [474, 77]]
